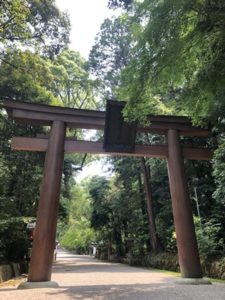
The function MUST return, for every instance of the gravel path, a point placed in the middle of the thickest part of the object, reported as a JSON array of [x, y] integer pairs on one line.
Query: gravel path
[[83, 277]]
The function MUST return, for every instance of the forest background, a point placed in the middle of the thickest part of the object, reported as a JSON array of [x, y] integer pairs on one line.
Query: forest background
[[161, 57]]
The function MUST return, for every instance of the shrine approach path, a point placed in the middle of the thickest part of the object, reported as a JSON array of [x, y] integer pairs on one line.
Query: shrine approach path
[[84, 277]]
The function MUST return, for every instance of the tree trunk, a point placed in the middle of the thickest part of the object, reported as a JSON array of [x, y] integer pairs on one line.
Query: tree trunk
[[148, 194]]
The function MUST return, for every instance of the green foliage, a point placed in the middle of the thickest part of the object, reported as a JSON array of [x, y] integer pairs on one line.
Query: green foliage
[[119, 3], [14, 243], [207, 236], [162, 57], [111, 52], [177, 64], [165, 261], [19, 193], [20, 174], [162, 204], [119, 214], [33, 23], [174, 65], [25, 76], [98, 187], [219, 172], [78, 235], [32, 33], [71, 83]]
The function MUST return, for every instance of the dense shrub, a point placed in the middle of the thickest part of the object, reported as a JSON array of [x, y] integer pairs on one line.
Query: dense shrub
[[209, 244], [14, 242]]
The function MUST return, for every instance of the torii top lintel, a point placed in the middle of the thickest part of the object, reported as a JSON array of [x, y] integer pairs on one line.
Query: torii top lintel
[[41, 114]]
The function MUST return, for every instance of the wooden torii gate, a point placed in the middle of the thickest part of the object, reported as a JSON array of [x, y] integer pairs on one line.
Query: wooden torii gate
[[60, 118]]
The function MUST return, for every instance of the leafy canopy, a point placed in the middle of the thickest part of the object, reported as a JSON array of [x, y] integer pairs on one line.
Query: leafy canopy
[[33, 23]]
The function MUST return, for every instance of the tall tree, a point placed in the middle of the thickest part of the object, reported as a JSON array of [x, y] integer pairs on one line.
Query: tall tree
[[25, 76], [149, 206], [111, 52], [26, 28], [33, 23], [71, 82], [180, 59]]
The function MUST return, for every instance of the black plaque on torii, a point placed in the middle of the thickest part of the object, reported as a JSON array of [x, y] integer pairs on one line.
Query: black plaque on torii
[[119, 135]]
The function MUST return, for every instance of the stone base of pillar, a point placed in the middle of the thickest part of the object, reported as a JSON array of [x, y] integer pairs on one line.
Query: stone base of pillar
[[193, 281], [38, 285]]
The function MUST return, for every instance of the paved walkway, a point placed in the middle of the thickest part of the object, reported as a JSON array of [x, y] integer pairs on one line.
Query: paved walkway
[[83, 277]]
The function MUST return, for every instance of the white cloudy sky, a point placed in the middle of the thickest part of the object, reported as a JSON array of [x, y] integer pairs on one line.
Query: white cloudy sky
[[86, 17]]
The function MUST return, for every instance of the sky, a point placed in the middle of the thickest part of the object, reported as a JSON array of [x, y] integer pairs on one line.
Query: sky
[[99, 167], [86, 17]]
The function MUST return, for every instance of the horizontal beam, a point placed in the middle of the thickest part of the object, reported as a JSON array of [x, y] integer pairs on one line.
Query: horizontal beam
[[10, 105], [97, 148], [197, 153], [40, 114], [91, 122], [29, 144], [41, 144], [158, 151], [72, 121]]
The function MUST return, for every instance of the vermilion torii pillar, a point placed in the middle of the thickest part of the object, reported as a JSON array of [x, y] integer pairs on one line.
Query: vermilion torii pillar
[[59, 118]]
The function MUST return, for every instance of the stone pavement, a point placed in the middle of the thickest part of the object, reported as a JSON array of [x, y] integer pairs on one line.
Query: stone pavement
[[83, 277]]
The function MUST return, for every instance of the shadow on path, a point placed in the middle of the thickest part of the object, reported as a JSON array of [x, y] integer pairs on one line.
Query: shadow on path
[[138, 291], [83, 277], [97, 267]]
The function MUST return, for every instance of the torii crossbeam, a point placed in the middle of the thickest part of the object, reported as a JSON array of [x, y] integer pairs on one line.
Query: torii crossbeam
[[59, 118]]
